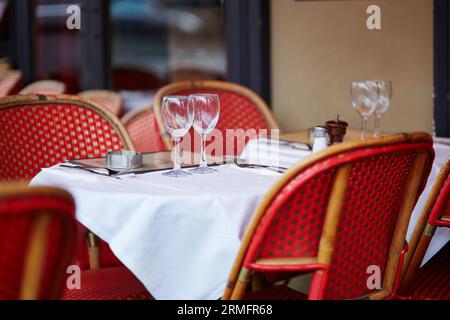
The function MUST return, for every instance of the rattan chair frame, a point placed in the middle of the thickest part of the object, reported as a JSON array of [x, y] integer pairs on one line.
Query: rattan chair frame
[[39, 100], [17, 83], [423, 232], [241, 276], [30, 89], [34, 258], [130, 116], [89, 94]]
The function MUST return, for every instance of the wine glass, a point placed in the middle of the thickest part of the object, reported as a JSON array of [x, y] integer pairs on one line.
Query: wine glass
[[384, 102], [206, 115], [364, 100], [177, 115]]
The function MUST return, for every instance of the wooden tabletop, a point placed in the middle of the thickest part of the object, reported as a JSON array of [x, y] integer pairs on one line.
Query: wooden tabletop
[[303, 135]]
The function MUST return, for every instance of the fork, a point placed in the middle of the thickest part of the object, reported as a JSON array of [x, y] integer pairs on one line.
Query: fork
[[109, 174], [256, 166]]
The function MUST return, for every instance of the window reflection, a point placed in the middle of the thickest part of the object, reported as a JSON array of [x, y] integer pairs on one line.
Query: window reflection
[[5, 34], [155, 42], [57, 50]]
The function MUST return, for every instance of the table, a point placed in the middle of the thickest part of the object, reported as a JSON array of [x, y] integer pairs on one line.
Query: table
[[178, 236], [303, 135], [192, 257]]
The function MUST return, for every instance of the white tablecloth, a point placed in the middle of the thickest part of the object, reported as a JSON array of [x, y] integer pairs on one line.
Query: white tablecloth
[[180, 236], [442, 235]]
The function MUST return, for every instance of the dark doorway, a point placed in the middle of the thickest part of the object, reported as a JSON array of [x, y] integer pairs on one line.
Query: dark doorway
[[442, 67]]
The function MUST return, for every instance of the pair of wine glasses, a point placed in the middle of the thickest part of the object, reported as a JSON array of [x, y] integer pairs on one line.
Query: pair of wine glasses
[[179, 114], [369, 97]]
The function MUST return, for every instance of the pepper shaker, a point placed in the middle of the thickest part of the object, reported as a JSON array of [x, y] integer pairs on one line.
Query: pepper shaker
[[336, 129]]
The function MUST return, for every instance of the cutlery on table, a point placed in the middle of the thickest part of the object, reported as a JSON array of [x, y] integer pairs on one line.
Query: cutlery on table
[[110, 173], [244, 164]]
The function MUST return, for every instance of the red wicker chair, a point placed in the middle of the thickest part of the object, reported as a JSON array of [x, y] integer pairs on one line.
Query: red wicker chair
[[41, 131], [240, 108], [37, 233], [116, 283], [109, 99], [128, 78], [44, 87], [335, 214], [432, 281], [5, 65], [11, 81], [143, 129]]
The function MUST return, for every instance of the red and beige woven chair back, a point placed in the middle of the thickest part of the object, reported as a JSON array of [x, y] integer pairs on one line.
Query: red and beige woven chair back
[[45, 87], [11, 82], [337, 213], [5, 65], [143, 129], [440, 215], [240, 108], [109, 99], [40, 131], [128, 78], [436, 213], [37, 231]]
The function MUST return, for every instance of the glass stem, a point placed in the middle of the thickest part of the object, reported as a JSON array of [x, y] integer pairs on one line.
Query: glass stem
[[203, 161], [377, 126], [177, 159], [363, 127]]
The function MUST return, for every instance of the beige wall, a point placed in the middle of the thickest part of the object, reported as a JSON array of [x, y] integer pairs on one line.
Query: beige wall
[[319, 47]]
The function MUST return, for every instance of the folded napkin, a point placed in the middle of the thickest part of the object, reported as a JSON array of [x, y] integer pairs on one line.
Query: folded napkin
[[276, 153], [441, 141], [74, 173]]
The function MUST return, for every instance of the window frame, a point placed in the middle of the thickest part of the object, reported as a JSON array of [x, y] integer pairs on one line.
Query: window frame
[[247, 36]]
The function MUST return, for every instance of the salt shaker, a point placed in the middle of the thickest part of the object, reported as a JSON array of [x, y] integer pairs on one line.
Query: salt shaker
[[320, 139]]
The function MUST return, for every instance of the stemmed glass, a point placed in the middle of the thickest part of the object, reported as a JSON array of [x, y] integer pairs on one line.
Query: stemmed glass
[[177, 115], [384, 101], [364, 100], [206, 114]]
